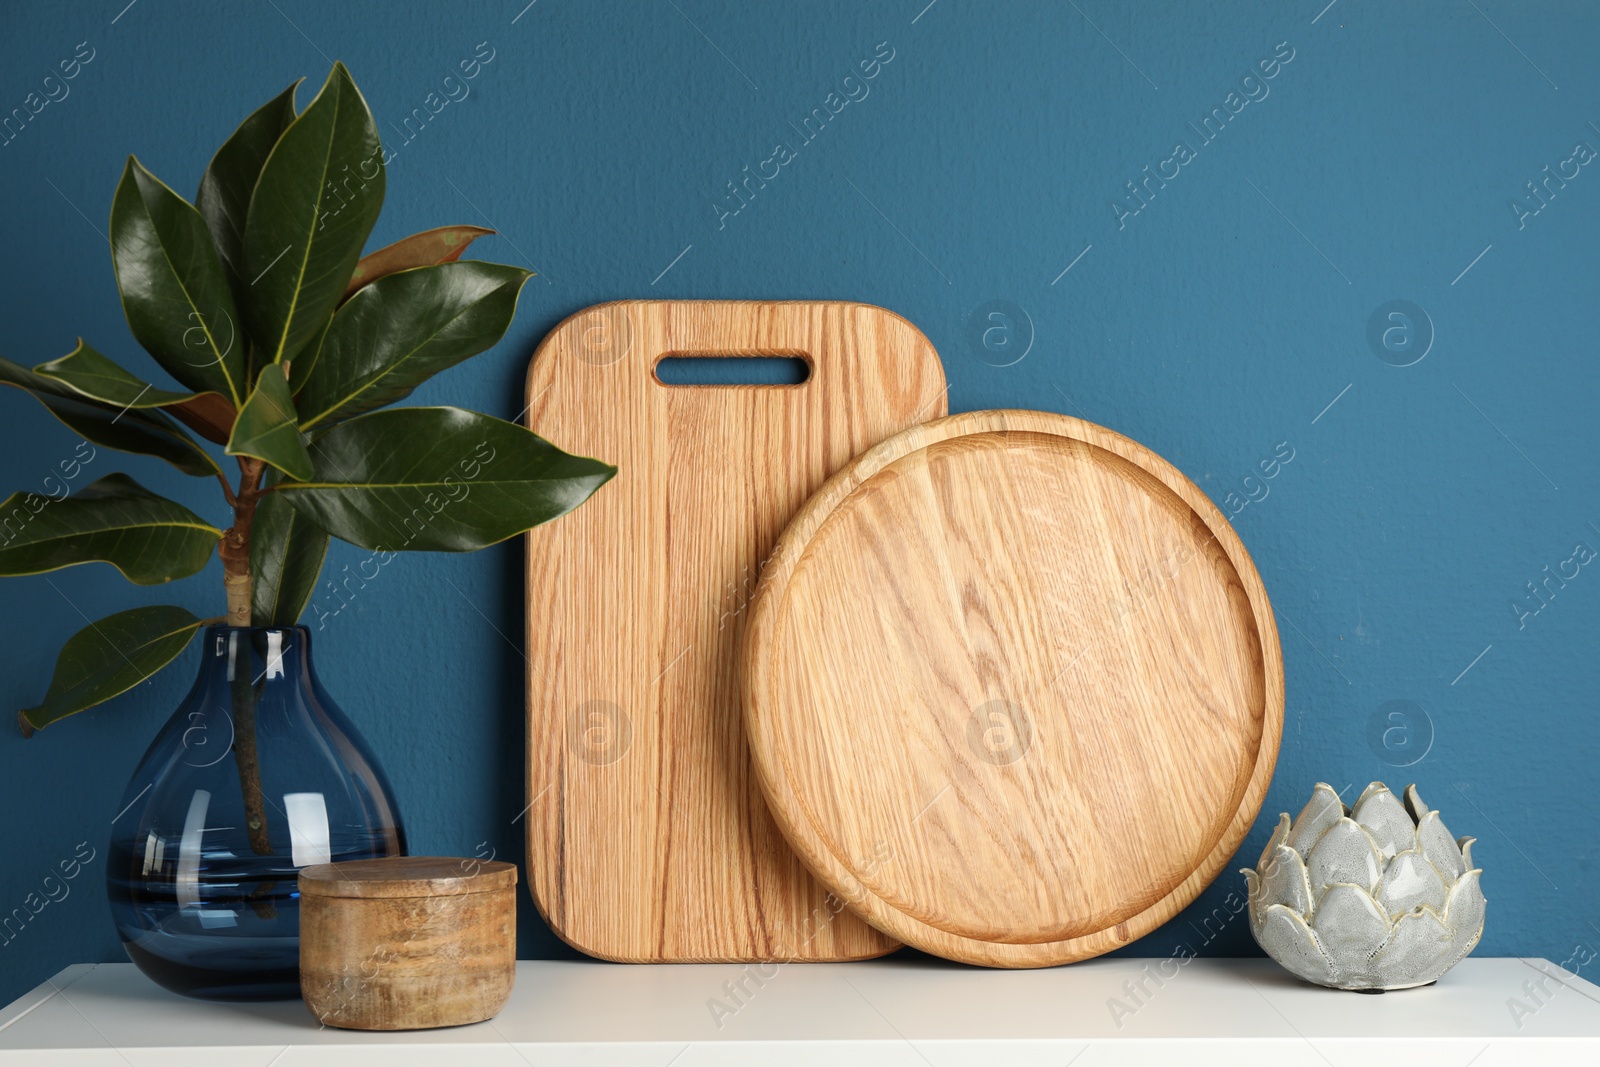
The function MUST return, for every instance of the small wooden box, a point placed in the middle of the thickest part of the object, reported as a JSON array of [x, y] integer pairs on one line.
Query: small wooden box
[[407, 943]]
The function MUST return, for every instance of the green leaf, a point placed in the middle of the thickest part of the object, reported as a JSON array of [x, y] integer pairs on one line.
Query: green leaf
[[426, 249], [439, 479], [110, 657], [115, 520], [174, 293], [318, 197], [402, 329], [148, 433], [88, 373], [224, 196], [286, 554], [266, 428]]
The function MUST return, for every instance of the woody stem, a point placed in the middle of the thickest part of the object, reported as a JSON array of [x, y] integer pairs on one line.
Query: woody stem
[[237, 581]]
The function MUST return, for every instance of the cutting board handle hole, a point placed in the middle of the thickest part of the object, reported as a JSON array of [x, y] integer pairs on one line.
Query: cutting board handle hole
[[732, 370]]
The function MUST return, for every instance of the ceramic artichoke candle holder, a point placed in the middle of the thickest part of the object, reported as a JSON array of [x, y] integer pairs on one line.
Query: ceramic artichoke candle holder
[[1372, 898]]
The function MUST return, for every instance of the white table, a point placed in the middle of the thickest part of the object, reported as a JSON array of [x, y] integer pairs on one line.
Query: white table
[[894, 1012]]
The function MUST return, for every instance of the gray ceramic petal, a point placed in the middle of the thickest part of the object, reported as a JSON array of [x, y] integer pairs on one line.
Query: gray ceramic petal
[[1280, 834], [1440, 848], [1252, 884], [1415, 804], [1345, 853], [1352, 930], [1419, 951], [1381, 812], [1463, 913], [1372, 787], [1409, 882], [1466, 844], [1284, 881], [1287, 939], [1321, 811]]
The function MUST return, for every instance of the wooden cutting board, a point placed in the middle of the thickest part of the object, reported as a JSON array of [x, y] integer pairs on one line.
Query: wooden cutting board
[[648, 840], [1013, 686]]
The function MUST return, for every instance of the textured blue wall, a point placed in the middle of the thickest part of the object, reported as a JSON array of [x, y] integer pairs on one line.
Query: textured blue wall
[[1212, 318]]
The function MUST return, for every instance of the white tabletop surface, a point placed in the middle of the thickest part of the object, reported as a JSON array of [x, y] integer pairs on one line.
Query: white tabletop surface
[[893, 1012]]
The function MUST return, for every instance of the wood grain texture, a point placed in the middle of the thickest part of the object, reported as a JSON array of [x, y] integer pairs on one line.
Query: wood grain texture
[[406, 876], [648, 840], [1013, 688], [407, 943]]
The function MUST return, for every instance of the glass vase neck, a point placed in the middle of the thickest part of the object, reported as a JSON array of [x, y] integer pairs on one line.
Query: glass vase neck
[[262, 655]]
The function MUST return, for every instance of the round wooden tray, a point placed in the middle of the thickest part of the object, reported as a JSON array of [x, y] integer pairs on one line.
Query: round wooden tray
[[1013, 688]]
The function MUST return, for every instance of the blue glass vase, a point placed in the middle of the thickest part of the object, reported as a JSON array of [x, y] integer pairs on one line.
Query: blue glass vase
[[256, 775]]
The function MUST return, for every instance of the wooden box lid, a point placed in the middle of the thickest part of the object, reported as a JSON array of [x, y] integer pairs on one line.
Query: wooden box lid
[[406, 876]]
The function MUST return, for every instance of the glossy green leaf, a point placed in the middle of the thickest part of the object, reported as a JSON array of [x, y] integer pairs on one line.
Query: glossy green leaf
[[266, 428], [147, 433], [318, 196], [426, 249], [90, 374], [115, 520], [224, 197], [401, 330], [286, 554], [110, 657], [174, 293], [439, 479]]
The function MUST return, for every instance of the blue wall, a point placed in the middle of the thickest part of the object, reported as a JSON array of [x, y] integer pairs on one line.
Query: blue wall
[[1220, 319]]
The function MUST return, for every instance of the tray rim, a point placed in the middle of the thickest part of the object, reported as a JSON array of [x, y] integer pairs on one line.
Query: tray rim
[[756, 655]]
